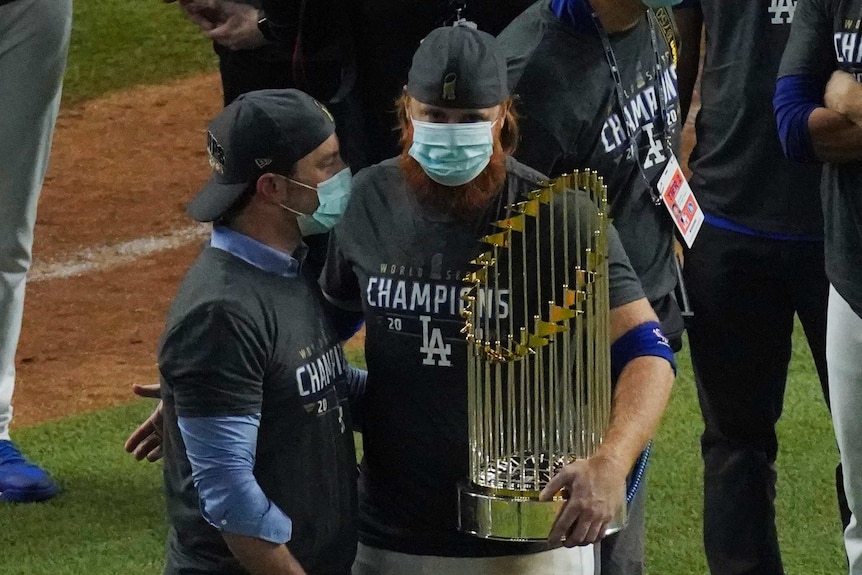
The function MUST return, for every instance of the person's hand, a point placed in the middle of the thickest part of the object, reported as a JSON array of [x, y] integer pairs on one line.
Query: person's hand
[[595, 490], [152, 391], [206, 14], [145, 442], [843, 93], [237, 28]]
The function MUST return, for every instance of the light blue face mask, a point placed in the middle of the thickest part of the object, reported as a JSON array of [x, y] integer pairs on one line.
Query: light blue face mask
[[656, 4], [332, 194], [452, 154]]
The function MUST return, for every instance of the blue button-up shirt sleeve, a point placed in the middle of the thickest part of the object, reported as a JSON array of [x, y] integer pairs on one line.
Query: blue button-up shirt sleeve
[[221, 451]]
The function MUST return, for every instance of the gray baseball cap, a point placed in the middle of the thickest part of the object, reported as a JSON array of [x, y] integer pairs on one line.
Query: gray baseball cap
[[458, 67], [259, 132]]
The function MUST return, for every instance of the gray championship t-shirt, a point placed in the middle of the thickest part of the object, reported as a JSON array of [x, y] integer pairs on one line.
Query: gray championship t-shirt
[[241, 341], [827, 36], [570, 119], [739, 170], [404, 264]]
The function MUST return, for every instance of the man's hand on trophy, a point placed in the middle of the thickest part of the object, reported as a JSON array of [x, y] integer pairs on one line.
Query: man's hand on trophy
[[594, 489]]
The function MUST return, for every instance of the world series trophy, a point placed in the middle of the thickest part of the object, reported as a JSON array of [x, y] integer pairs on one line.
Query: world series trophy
[[539, 386]]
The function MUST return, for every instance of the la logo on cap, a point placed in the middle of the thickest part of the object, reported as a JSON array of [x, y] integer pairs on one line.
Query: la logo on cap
[[449, 86]]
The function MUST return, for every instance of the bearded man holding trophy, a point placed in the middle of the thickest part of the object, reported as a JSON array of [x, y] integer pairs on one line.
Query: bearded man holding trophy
[[516, 370]]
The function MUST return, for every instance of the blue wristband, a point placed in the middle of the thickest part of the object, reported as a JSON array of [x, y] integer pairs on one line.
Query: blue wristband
[[643, 340]]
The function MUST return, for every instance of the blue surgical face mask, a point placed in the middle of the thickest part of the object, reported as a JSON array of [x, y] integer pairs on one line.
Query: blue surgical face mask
[[452, 154], [656, 4], [332, 195]]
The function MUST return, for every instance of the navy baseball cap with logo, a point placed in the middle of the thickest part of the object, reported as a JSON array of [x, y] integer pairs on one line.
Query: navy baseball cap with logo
[[259, 132], [458, 67]]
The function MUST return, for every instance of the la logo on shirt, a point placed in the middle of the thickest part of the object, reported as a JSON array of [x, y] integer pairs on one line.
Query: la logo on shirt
[[782, 11]]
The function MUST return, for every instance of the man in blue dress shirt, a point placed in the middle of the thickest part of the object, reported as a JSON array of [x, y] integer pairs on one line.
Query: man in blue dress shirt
[[259, 459]]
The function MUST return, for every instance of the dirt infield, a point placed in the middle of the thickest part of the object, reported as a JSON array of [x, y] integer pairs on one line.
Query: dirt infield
[[112, 241], [121, 170]]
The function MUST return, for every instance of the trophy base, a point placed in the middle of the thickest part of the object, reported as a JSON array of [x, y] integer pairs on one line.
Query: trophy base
[[490, 515]]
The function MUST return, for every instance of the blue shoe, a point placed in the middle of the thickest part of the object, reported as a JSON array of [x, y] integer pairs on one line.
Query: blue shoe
[[20, 480]]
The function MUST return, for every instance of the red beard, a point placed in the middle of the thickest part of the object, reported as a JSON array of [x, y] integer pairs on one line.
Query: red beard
[[465, 202]]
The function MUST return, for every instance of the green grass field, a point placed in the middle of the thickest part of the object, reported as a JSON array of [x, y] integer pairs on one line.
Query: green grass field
[[109, 519], [118, 44]]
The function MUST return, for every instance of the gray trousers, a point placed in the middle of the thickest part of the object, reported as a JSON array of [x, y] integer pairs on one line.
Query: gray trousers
[[34, 39], [844, 362]]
